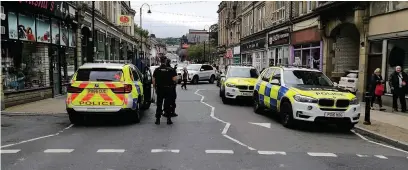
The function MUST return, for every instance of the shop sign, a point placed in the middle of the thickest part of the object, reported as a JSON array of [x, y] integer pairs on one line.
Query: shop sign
[[64, 35], [55, 31], [26, 27], [237, 50], [124, 20], [279, 38], [228, 54], [12, 25], [257, 44], [72, 38], [43, 30], [48, 6]]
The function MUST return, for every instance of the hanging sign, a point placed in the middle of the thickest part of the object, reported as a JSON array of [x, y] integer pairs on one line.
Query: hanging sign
[[124, 20]]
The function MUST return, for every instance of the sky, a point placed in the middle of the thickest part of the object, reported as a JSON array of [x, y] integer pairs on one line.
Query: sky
[[174, 18]]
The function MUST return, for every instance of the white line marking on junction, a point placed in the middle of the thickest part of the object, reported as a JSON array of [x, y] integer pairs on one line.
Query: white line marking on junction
[[272, 153], [362, 155], [165, 150], [322, 154], [58, 150], [10, 151], [381, 156], [110, 150], [33, 139], [387, 146], [227, 124], [220, 151], [267, 125]]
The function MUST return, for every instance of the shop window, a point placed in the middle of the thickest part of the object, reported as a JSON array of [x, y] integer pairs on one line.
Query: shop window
[[397, 55], [376, 47], [25, 69]]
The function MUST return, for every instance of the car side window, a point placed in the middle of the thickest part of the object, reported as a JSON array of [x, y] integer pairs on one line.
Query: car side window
[[136, 76], [267, 75], [131, 74], [277, 75], [209, 68]]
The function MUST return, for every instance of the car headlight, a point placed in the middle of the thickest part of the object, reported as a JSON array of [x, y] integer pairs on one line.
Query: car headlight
[[354, 101], [229, 85], [305, 99]]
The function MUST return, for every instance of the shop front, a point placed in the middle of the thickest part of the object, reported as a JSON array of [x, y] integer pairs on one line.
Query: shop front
[[237, 56], [38, 50], [253, 52], [278, 48], [307, 48]]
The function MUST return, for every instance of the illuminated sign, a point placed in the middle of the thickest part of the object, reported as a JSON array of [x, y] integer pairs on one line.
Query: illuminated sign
[[124, 20]]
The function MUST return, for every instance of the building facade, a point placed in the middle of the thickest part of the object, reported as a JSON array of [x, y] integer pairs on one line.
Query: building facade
[[44, 42]]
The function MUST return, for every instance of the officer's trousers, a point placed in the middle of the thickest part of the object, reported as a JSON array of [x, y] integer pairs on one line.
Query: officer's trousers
[[165, 99], [174, 97]]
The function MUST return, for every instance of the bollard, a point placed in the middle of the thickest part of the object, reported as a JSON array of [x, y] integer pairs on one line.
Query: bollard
[[367, 109]]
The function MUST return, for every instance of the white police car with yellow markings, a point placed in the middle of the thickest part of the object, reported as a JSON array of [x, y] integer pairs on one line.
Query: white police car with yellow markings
[[300, 94], [239, 82]]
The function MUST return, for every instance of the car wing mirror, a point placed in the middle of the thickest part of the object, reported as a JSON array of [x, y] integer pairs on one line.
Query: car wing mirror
[[335, 84], [202, 69], [275, 82]]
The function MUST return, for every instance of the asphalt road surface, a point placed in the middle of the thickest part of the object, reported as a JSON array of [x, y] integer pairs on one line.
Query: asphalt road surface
[[207, 135]]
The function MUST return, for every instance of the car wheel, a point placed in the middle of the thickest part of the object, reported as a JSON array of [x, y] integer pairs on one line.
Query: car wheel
[[257, 106], [135, 115], [211, 81], [76, 119], [345, 127], [287, 115], [224, 99], [195, 80]]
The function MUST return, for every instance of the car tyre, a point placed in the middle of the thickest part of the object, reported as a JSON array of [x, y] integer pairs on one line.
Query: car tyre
[[211, 81], [135, 115], [257, 105], [224, 99], [76, 119], [287, 115], [146, 104], [345, 127], [195, 80]]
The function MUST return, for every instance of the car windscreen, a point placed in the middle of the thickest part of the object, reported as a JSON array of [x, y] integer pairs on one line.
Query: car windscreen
[[99, 74], [243, 72], [194, 67], [301, 77]]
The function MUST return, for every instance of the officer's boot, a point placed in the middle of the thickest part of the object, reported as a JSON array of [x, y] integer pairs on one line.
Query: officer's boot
[[169, 122]]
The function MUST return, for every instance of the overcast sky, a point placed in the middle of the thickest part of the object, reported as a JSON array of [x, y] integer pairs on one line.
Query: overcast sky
[[174, 18]]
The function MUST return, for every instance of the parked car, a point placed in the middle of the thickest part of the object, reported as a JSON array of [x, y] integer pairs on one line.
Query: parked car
[[200, 72]]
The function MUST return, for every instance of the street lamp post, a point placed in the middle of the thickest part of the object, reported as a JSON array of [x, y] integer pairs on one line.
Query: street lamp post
[[208, 41], [141, 28]]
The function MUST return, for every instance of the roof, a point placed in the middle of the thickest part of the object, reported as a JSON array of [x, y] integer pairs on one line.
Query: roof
[[102, 65], [241, 67], [292, 68]]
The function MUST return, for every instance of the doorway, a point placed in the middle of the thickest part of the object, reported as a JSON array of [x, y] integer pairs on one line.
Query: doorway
[[374, 62], [56, 70]]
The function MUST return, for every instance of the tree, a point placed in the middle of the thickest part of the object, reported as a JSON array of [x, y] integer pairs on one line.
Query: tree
[[196, 52], [138, 30]]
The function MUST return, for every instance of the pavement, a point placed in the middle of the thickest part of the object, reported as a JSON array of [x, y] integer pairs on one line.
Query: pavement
[[207, 135]]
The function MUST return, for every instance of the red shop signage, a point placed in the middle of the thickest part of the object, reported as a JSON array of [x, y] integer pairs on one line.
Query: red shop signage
[[306, 36], [45, 5]]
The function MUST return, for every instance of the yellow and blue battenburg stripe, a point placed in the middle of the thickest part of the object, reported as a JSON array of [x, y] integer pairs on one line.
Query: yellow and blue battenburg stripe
[[270, 95]]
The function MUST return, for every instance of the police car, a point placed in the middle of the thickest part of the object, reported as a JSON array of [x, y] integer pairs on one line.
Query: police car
[[239, 82], [102, 88], [300, 94]]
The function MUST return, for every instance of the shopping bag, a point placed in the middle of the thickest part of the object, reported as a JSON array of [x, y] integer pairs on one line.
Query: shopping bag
[[379, 90]]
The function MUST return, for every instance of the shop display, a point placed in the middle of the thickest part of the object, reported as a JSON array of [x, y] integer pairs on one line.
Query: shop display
[[12, 21], [55, 31], [43, 30], [26, 27]]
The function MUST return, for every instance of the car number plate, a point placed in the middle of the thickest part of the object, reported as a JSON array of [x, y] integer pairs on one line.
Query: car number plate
[[96, 91], [246, 93], [334, 114]]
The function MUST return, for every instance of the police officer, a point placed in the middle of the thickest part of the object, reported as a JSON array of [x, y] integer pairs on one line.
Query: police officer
[[174, 93], [164, 80]]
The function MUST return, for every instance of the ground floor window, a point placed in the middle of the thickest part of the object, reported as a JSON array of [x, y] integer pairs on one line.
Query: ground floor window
[[247, 59], [24, 65], [397, 55], [279, 56], [308, 55]]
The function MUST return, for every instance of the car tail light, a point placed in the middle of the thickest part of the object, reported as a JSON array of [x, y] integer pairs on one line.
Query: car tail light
[[72, 89], [127, 88]]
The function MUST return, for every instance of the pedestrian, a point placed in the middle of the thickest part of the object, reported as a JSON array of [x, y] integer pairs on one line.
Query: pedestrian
[[376, 88], [185, 76], [173, 93], [398, 82], [164, 80]]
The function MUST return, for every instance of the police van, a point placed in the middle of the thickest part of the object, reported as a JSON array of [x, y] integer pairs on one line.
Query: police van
[[301, 94], [108, 88]]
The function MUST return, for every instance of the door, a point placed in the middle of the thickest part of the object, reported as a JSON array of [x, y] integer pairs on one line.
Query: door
[[56, 71], [209, 70], [203, 75], [374, 62], [275, 96], [265, 89], [137, 79], [147, 85]]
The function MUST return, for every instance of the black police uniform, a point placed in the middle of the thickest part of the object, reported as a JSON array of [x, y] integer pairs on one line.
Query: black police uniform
[[164, 89], [174, 93]]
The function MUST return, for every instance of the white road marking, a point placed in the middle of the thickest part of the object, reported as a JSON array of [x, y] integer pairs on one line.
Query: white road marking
[[165, 150], [272, 153], [33, 139], [322, 154], [220, 151], [362, 155], [267, 125], [381, 156], [387, 146], [10, 151], [227, 124], [58, 150], [110, 151]]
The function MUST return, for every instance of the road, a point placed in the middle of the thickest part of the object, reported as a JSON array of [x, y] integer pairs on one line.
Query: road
[[207, 135]]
